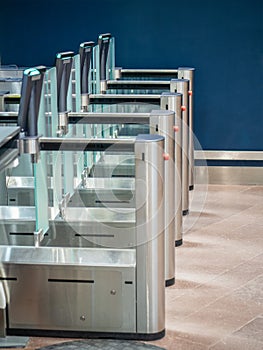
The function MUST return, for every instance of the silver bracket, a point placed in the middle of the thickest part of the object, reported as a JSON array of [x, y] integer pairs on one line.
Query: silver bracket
[[117, 73], [103, 86], [62, 123], [84, 102], [84, 176], [63, 205], [38, 237], [30, 145]]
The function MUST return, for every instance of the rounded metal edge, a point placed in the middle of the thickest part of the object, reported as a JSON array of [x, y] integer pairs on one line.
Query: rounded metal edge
[[149, 138], [187, 68]]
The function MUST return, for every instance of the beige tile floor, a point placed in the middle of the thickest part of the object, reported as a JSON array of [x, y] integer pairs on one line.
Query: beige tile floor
[[217, 300]]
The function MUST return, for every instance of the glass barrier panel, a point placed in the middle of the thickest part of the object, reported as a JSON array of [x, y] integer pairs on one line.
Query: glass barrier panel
[[111, 60], [41, 194], [24, 167], [88, 132], [76, 93], [57, 182], [96, 70], [42, 122], [51, 102]]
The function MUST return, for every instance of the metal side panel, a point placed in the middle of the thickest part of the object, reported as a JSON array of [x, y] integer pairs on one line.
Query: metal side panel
[[227, 175], [150, 236], [238, 174], [82, 227], [72, 297]]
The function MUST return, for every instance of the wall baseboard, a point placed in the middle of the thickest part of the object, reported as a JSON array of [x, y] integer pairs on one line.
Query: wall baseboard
[[249, 173]]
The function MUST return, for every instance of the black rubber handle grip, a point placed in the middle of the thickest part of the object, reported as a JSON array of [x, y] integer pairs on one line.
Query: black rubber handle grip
[[85, 52], [63, 67], [104, 43], [32, 84]]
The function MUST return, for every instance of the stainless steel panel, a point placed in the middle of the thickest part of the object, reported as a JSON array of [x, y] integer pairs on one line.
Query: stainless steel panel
[[73, 234], [100, 118], [188, 73], [223, 175], [117, 215], [21, 197], [9, 159], [111, 183], [17, 213], [11, 72], [182, 86], [102, 169], [96, 234], [173, 101], [72, 298], [20, 182], [68, 256], [229, 155], [78, 140], [149, 71], [8, 114], [139, 82], [82, 227], [162, 123], [111, 198], [235, 175], [150, 236], [7, 133], [113, 158], [125, 96], [72, 214]]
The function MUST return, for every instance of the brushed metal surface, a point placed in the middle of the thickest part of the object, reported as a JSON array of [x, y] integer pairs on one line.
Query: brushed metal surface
[[125, 96], [75, 298], [111, 183], [68, 256], [139, 82], [182, 86], [72, 214], [17, 213], [223, 175], [85, 289], [11, 72], [173, 101], [235, 175], [188, 73], [20, 182], [70, 234], [111, 118], [9, 159], [7, 133], [100, 215], [229, 155], [153, 71], [162, 123], [150, 237]]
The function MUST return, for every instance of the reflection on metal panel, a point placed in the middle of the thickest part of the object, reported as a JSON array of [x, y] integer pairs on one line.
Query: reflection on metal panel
[[231, 175]]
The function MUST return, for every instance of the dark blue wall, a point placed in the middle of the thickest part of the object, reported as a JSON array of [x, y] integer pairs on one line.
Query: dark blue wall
[[222, 39]]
